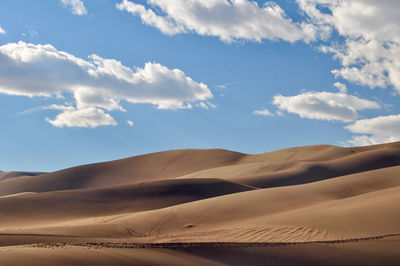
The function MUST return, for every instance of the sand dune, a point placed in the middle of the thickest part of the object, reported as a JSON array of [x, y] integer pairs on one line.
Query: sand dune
[[150, 167], [13, 174], [307, 199], [72, 204], [300, 171]]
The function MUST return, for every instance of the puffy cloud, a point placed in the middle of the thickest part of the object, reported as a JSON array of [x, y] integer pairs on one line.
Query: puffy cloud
[[77, 6], [368, 19], [371, 29], [370, 63], [324, 105], [87, 117], [263, 112], [227, 20], [376, 130], [41, 70], [2, 31]]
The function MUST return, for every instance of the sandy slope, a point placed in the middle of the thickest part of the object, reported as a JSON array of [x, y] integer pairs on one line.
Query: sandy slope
[[145, 168], [61, 206], [297, 195], [8, 175]]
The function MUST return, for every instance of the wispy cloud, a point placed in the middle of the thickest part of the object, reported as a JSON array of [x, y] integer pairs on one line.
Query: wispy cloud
[[263, 112], [44, 107], [77, 6]]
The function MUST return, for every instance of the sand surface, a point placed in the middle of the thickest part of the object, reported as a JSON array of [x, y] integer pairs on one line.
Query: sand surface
[[313, 205]]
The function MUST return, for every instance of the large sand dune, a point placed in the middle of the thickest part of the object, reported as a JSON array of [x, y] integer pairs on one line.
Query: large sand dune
[[313, 205]]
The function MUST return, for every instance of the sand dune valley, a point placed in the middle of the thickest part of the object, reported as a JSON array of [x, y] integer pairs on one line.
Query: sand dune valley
[[313, 205]]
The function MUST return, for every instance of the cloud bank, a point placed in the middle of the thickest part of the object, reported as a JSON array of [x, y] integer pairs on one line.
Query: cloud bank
[[96, 84]]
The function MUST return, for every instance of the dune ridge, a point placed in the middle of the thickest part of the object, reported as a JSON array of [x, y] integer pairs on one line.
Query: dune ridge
[[315, 195]]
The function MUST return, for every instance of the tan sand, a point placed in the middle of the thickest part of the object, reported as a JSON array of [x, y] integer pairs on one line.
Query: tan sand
[[323, 205]]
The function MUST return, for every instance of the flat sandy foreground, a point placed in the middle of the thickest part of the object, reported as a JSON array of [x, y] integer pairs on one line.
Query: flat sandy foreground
[[314, 205]]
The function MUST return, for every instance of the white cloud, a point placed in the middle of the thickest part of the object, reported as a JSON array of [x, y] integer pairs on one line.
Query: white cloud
[[368, 19], [2, 31], [371, 50], [376, 130], [341, 87], [86, 97], [87, 117], [370, 29], [370, 63], [164, 24], [324, 105], [263, 112], [77, 6], [41, 70], [130, 123], [227, 20]]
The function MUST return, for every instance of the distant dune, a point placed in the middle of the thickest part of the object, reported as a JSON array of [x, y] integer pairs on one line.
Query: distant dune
[[7, 175], [313, 205]]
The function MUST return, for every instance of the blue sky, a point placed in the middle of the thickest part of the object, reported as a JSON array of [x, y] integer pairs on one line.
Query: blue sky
[[96, 80]]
